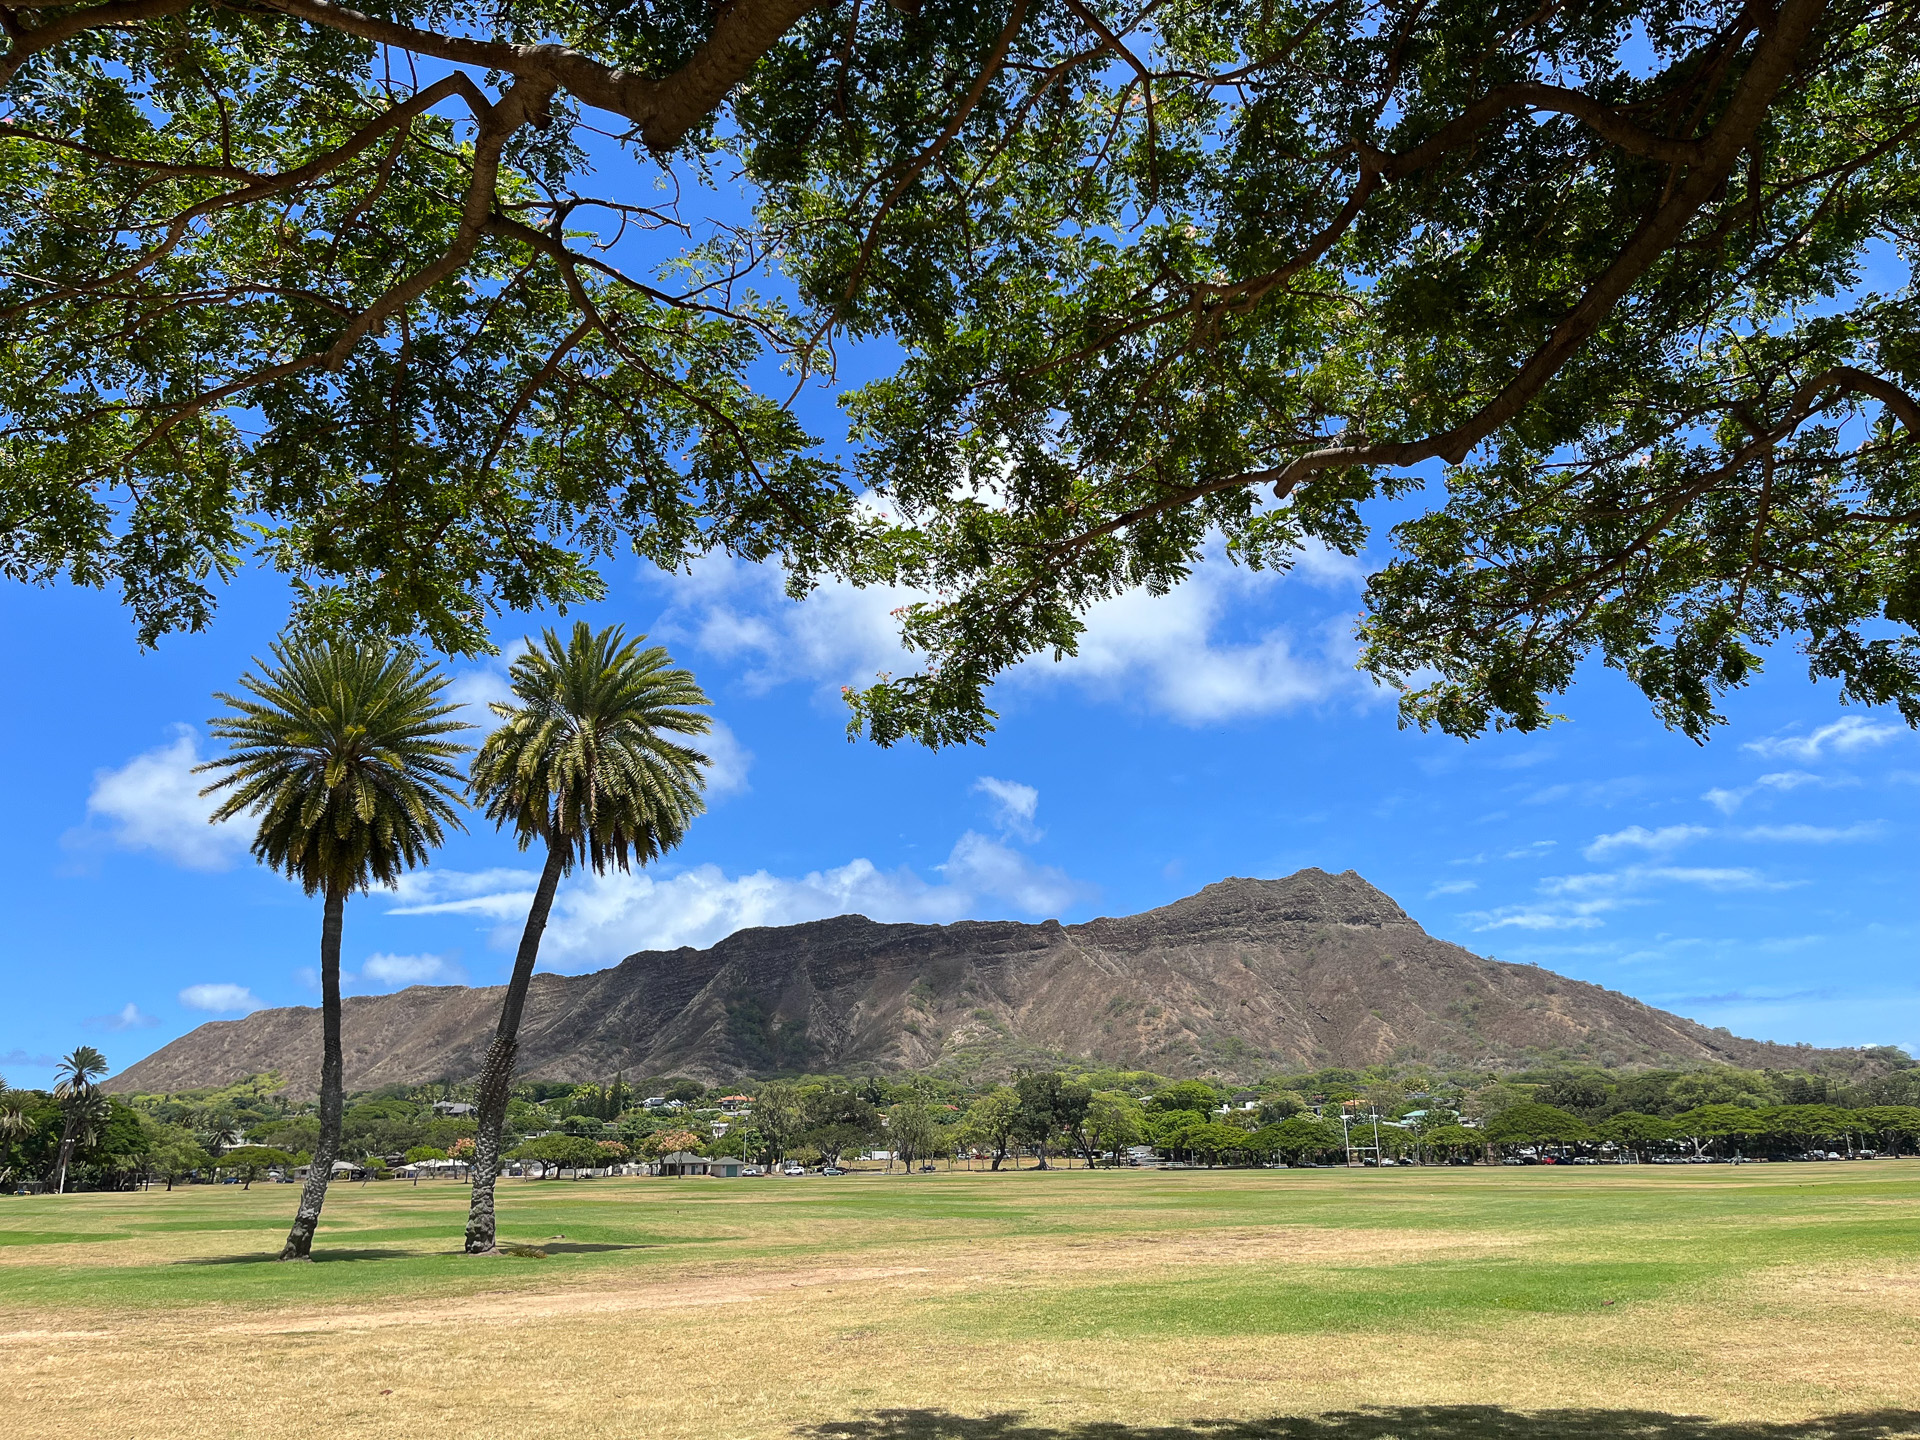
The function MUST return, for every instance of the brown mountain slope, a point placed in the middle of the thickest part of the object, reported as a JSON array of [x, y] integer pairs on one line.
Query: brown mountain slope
[[1244, 977]]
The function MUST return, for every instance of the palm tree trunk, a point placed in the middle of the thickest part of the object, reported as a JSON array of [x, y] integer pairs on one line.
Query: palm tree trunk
[[496, 1073], [68, 1133], [306, 1220]]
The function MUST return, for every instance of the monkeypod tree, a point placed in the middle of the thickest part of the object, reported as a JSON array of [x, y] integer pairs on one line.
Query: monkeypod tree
[[434, 306]]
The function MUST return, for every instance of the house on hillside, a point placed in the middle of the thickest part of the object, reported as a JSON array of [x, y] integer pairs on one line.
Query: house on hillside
[[452, 1108], [685, 1162]]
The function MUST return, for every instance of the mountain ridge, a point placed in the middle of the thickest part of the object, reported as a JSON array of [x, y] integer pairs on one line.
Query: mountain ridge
[[1240, 978]]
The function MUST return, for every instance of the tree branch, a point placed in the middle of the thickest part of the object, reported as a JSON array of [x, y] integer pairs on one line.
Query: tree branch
[[664, 110], [268, 185], [31, 41]]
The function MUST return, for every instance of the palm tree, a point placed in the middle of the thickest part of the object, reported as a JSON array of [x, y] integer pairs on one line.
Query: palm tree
[[78, 1092], [14, 1125], [582, 764], [216, 1132], [341, 752]]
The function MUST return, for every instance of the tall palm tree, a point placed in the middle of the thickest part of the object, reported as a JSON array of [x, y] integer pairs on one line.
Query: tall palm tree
[[583, 765], [14, 1126], [342, 754], [77, 1088]]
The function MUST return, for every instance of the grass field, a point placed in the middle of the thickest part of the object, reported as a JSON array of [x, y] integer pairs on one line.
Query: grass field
[[1667, 1303]]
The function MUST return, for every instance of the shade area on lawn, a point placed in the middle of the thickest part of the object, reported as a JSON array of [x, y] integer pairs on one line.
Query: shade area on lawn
[[1460, 1304]]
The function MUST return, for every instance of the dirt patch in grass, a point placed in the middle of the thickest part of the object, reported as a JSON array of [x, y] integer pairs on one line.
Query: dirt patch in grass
[[495, 1308], [1280, 1245], [1884, 1292]]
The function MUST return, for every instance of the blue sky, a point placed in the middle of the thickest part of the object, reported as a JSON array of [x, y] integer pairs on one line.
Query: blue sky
[[1764, 882]]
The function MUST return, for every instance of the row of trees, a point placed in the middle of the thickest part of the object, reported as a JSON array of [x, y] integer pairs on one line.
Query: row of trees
[[77, 1132], [1042, 1113], [1094, 1113], [345, 755], [1770, 1129], [1880, 1075]]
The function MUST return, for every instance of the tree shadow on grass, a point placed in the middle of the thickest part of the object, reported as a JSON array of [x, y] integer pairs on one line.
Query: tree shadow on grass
[[1405, 1422], [320, 1256], [325, 1254]]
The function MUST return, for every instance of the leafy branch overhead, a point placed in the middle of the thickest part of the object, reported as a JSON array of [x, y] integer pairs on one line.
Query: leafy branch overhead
[[437, 307]]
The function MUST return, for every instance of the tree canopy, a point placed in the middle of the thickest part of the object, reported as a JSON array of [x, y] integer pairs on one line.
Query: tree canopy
[[433, 308], [1530, 1123]]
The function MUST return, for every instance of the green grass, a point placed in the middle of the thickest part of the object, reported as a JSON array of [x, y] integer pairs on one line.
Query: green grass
[[1577, 1238], [1469, 1304]]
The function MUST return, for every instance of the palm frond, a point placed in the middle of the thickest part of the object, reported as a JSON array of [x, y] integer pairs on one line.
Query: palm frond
[[585, 758], [341, 754]]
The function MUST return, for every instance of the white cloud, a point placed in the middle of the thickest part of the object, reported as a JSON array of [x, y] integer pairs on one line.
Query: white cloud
[[1531, 852], [153, 802], [403, 970], [1590, 884], [432, 891], [474, 690], [1639, 877], [1014, 805], [220, 999], [985, 869], [1527, 918], [127, 1017], [1604, 793], [1575, 902], [1453, 887], [840, 635], [1165, 652], [1810, 834], [1789, 780], [1717, 878], [1663, 841], [1728, 801], [599, 919], [1844, 736], [727, 762]]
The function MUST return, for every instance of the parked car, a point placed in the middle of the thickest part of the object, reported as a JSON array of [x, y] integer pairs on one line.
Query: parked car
[[928, 1169], [753, 1169], [793, 1169], [831, 1170]]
